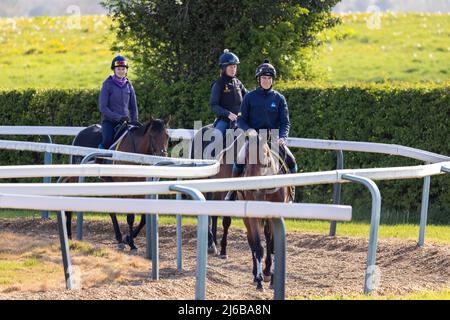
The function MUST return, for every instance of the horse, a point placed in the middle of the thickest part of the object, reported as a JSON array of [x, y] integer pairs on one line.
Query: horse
[[268, 163], [152, 138], [226, 158]]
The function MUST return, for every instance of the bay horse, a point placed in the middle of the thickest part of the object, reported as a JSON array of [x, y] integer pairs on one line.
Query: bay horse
[[226, 157], [268, 162], [152, 138]]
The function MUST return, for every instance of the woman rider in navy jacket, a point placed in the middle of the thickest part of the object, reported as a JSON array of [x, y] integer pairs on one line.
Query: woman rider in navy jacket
[[117, 101], [265, 108]]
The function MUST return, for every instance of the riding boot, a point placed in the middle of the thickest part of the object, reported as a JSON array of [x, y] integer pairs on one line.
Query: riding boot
[[292, 168], [291, 189]]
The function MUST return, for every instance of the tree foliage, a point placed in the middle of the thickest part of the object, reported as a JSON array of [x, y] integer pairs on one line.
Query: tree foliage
[[181, 39]]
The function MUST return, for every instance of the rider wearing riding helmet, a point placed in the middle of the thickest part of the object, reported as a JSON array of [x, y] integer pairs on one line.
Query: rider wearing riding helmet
[[117, 101], [265, 108], [227, 93]]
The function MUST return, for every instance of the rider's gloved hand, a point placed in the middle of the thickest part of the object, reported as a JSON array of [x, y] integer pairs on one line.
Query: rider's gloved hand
[[281, 141], [252, 133], [125, 119], [136, 123], [232, 116]]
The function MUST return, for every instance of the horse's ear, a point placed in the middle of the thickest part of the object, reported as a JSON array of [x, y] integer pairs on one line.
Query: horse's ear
[[167, 119], [151, 119]]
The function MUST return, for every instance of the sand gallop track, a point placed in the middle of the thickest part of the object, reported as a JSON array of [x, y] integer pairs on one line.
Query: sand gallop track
[[317, 265]]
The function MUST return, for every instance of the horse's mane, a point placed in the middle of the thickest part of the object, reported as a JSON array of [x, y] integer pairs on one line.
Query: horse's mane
[[158, 125]]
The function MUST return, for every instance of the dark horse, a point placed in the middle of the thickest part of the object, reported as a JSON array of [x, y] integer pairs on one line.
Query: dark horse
[[268, 163], [226, 157], [152, 138]]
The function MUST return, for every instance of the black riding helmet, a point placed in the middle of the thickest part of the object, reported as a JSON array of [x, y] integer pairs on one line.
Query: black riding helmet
[[266, 69], [228, 58]]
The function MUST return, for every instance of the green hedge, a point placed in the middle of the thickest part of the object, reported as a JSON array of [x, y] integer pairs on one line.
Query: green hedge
[[410, 115]]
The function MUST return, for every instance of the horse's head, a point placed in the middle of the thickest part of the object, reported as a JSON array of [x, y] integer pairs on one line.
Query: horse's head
[[156, 136], [258, 158]]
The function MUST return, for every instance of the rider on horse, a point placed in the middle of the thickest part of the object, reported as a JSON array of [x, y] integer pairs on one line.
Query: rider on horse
[[265, 108], [117, 101], [227, 93]]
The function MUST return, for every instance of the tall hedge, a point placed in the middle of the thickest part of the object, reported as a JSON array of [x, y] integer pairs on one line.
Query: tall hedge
[[416, 116]]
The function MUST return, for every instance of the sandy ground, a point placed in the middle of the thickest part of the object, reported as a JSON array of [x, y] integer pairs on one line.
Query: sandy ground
[[317, 265]]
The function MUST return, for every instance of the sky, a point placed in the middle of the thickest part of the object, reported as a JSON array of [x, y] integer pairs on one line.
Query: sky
[[31, 8]]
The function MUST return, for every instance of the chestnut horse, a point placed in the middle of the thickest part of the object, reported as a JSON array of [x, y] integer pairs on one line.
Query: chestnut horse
[[268, 162]]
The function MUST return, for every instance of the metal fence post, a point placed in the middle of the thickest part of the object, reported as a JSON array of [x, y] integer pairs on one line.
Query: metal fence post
[[370, 277], [337, 190], [148, 228], [65, 249], [154, 245], [152, 229], [80, 218], [424, 210], [279, 276], [202, 242], [179, 239], [47, 160]]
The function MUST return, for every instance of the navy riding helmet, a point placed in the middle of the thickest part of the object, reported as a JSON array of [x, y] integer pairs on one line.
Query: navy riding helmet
[[228, 58], [119, 61]]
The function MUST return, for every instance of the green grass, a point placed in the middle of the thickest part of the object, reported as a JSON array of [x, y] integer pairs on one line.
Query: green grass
[[18, 265], [87, 249], [407, 47], [434, 233], [44, 52]]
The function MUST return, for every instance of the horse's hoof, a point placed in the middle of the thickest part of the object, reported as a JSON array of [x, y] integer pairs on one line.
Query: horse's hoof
[[259, 288], [134, 251], [212, 249], [121, 246], [223, 256], [267, 278]]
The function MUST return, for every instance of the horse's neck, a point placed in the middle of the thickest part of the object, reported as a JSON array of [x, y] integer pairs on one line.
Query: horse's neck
[[258, 169], [129, 142]]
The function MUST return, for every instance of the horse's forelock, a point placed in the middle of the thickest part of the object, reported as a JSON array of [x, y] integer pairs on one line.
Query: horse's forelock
[[158, 125]]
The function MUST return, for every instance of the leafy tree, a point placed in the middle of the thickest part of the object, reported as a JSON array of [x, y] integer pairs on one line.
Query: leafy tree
[[182, 39]]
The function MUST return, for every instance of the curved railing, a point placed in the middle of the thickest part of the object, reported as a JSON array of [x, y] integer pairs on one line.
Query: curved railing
[[41, 192]]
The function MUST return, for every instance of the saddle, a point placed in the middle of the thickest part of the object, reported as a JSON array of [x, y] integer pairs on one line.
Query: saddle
[[120, 131]]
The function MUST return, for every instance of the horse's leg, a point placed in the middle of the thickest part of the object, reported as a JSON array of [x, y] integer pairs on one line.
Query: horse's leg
[[268, 276], [212, 229], [69, 224], [140, 226], [257, 250], [120, 244], [251, 243], [129, 238], [226, 222]]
